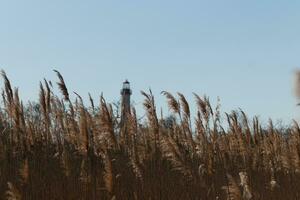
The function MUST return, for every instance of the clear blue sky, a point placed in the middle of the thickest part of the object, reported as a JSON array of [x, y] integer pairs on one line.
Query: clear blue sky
[[243, 51]]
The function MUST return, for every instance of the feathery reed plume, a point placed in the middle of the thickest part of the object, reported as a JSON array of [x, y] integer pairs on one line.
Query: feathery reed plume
[[246, 126], [92, 102], [5, 103], [107, 122], [16, 109], [200, 127], [43, 99], [48, 96], [172, 102], [204, 106], [84, 132], [43, 104], [186, 118], [150, 107], [62, 86], [185, 106], [8, 88]]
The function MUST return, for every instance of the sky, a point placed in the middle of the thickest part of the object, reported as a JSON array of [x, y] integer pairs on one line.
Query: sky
[[244, 52]]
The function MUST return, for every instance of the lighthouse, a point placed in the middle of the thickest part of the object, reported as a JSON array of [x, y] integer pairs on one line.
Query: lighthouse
[[125, 95]]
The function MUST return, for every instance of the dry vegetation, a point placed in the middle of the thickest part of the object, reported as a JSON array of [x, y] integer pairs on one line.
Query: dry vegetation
[[58, 149]]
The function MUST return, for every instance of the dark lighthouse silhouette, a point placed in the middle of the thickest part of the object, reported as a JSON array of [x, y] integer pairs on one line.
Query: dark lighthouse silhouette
[[125, 105]]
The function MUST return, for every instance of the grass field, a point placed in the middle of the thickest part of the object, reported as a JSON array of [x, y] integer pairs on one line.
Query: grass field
[[59, 149]]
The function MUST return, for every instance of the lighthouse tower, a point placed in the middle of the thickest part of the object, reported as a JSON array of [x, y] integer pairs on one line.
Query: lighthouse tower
[[125, 93]]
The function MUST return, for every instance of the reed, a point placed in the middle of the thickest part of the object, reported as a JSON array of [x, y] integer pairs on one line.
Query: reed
[[60, 149]]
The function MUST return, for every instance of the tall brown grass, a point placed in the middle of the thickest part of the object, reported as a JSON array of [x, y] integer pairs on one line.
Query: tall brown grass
[[59, 149]]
